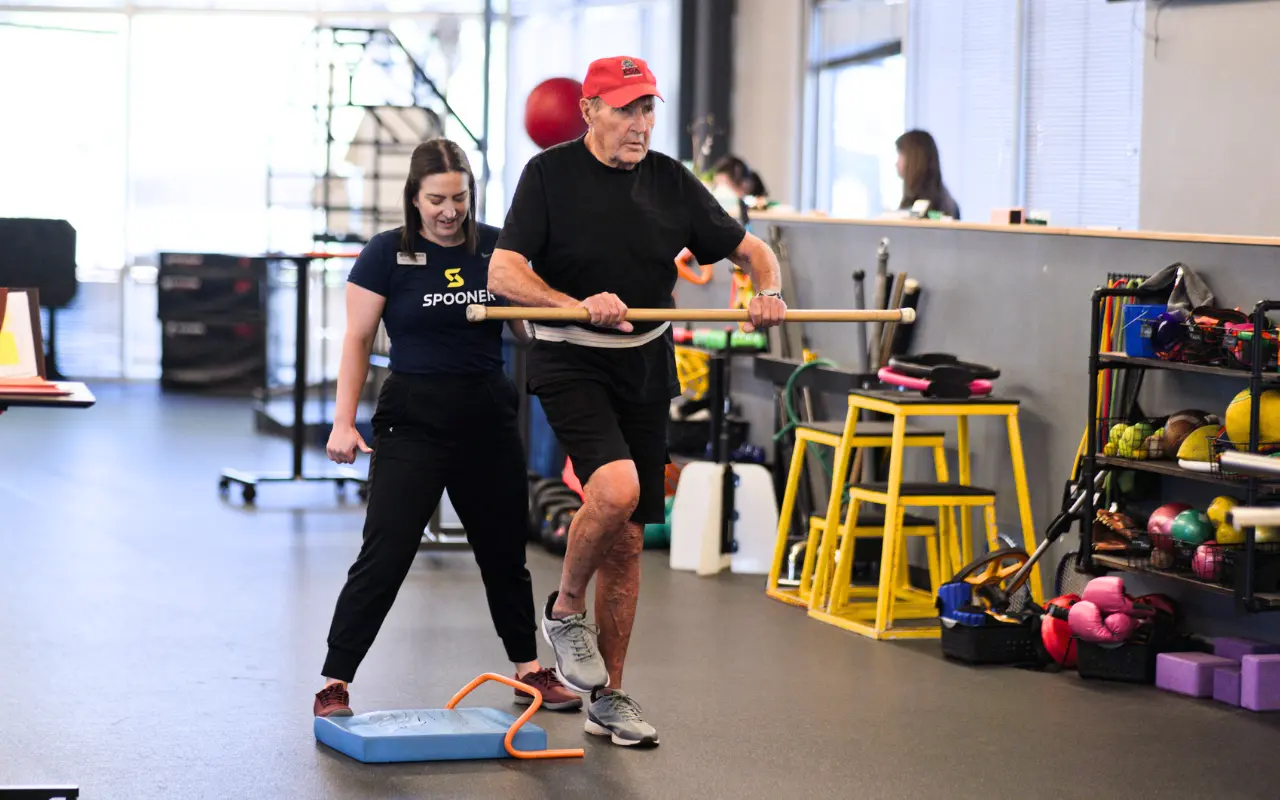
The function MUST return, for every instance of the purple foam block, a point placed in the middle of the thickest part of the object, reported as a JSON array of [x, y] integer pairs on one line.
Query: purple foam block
[[1260, 682], [1235, 648], [1226, 685], [1188, 673]]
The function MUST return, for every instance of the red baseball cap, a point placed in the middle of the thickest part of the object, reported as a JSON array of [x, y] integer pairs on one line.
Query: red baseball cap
[[619, 80]]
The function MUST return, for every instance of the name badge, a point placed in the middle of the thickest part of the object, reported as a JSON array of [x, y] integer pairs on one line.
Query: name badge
[[415, 260]]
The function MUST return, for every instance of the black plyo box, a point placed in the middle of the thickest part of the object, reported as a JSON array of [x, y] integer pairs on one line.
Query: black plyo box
[[193, 286], [199, 353]]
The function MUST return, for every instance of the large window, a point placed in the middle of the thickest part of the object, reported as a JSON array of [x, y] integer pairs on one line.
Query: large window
[[1033, 103], [154, 126], [857, 75], [62, 144], [855, 148]]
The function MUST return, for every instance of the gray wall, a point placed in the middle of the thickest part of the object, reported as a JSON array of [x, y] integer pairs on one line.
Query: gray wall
[[1209, 116], [1019, 301], [768, 91]]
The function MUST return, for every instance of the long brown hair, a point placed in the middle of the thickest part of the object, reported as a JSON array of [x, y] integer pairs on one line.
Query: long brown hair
[[922, 169], [436, 157]]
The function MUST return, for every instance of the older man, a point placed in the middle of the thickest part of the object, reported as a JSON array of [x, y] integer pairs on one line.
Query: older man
[[601, 219]]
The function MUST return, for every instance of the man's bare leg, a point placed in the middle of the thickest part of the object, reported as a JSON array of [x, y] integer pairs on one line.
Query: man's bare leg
[[612, 712], [617, 592], [611, 496]]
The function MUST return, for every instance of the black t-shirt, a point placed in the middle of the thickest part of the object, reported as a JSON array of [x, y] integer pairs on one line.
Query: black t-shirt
[[427, 298], [586, 228]]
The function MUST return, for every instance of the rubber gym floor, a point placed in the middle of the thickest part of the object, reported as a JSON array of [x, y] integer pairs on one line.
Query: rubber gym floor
[[156, 642]]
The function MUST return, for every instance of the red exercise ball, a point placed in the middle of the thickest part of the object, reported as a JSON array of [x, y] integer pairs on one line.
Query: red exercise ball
[[551, 113]]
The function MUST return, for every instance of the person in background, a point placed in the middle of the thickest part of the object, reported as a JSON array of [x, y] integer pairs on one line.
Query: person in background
[[732, 173], [921, 171]]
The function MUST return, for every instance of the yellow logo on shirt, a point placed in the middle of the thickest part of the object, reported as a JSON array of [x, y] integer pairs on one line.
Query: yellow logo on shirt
[[455, 280]]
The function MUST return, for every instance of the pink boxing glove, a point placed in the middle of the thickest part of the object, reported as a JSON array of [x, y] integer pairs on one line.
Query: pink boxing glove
[[1108, 595], [1104, 614], [1088, 624]]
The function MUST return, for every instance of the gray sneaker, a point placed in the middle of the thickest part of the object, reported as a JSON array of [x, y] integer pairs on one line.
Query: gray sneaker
[[617, 715], [579, 664]]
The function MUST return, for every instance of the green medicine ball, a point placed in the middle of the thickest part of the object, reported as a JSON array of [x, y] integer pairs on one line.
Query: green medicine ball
[[1192, 527]]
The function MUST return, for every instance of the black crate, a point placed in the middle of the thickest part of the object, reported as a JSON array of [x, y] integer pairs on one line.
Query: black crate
[[993, 643], [210, 294], [196, 354], [1130, 662], [213, 263], [1135, 660]]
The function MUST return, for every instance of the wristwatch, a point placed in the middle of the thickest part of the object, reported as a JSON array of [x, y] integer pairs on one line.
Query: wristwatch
[[769, 293]]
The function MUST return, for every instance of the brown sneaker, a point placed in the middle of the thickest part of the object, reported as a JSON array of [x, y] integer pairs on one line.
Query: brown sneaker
[[332, 701], [554, 696]]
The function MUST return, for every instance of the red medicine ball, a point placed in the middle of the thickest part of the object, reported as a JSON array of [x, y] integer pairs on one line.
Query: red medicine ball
[[551, 113]]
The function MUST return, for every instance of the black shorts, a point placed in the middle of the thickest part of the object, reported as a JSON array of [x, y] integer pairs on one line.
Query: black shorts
[[595, 426]]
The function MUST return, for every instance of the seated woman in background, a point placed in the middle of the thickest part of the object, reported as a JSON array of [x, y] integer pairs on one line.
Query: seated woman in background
[[921, 171], [733, 174]]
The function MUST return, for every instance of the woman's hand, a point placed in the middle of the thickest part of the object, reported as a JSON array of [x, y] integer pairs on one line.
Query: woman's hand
[[344, 440]]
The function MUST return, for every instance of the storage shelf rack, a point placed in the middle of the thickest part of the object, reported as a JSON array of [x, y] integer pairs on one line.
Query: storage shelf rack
[[1245, 593]]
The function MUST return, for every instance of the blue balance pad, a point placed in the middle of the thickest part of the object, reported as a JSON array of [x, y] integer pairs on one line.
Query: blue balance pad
[[433, 734]]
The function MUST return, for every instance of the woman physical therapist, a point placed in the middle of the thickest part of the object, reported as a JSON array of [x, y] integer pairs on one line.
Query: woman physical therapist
[[446, 419]]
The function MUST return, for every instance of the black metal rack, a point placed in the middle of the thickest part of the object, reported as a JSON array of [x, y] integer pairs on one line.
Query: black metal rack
[[340, 52], [1247, 598]]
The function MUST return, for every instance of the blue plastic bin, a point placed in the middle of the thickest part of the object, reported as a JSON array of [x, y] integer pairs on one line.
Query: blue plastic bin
[[1139, 323]]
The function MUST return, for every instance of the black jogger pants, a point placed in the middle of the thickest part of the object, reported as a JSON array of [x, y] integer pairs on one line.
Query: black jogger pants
[[434, 433]]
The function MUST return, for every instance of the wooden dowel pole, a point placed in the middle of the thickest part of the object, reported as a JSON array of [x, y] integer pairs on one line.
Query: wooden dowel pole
[[479, 313]]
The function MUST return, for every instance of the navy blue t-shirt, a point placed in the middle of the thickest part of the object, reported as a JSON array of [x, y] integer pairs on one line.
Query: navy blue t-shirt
[[427, 298]]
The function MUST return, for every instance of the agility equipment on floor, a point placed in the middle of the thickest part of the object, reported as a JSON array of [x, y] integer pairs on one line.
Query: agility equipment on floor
[[442, 734]]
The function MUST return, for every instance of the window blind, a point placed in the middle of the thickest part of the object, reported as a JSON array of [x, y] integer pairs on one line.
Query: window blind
[[963, 86], [1084, 111]]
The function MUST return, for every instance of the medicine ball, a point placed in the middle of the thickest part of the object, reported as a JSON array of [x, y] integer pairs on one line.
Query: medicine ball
[[1268, 420], [1160, 524], [551, 113]]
